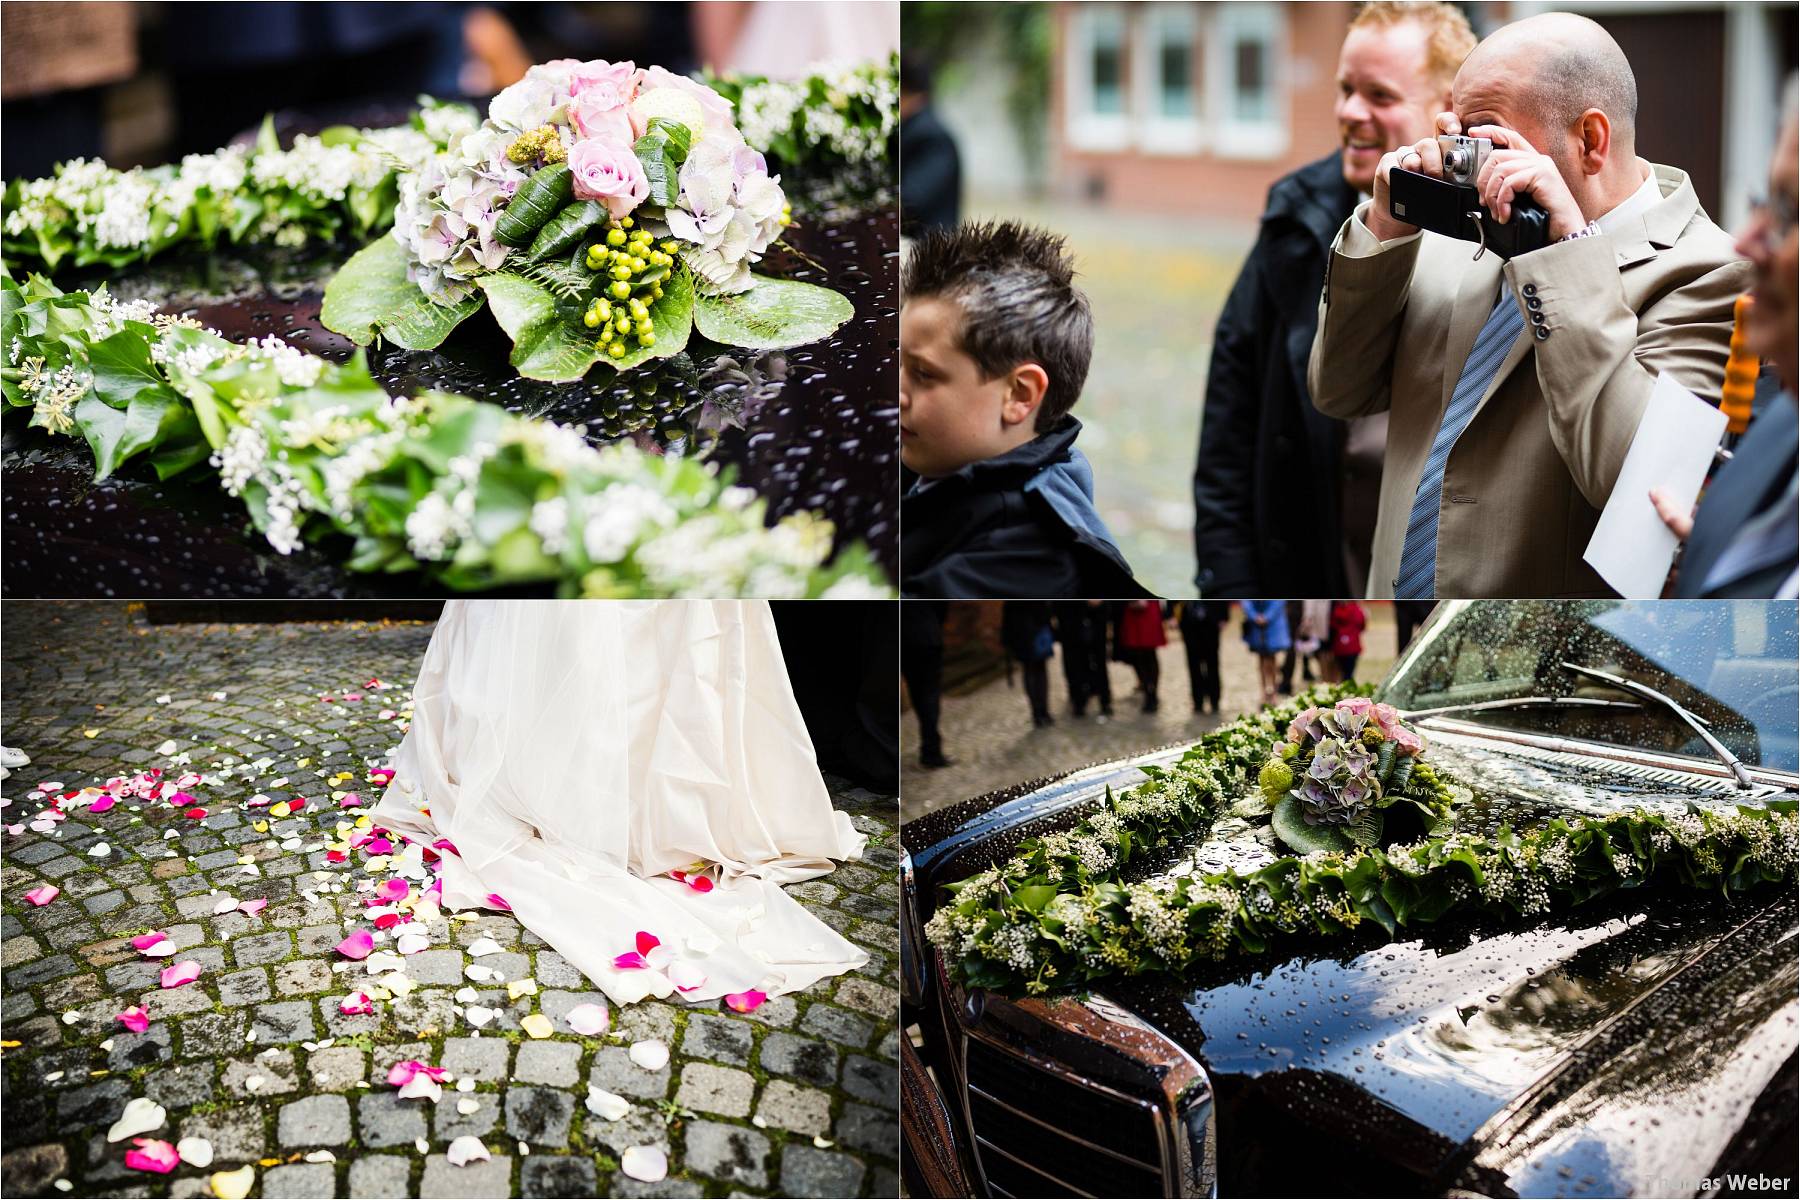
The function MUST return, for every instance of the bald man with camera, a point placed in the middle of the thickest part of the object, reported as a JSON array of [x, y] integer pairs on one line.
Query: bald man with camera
[[1514, 340]]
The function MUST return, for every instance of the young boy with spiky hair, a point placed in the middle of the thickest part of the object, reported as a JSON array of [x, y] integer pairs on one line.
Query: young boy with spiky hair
[[994, 346]]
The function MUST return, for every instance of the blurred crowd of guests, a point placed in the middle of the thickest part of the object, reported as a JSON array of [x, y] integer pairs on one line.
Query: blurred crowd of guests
[[1295, 643]]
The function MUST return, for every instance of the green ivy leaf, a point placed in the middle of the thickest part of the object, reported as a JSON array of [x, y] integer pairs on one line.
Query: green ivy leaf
[[1291, 827], [1034, 898], [661, 151], [122, 367], [372, 296], [153, 416], [773, 315]]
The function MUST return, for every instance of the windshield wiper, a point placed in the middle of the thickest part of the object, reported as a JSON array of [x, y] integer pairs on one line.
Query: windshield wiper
[[1745, 783], [1522, 702]]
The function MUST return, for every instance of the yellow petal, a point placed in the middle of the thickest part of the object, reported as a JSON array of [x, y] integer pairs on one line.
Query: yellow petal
[[281, 810], [376, 865], [260, 826], [336, 796], [363, 822], [233, 1185], [93, 733], [302, 762], [521, 987], [537, 1025], [398, 984]]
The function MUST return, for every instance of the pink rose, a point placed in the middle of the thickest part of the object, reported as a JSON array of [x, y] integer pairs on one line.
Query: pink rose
[[715, 109], [1355, 705], [609, 174], [618, 81], [599, 115]]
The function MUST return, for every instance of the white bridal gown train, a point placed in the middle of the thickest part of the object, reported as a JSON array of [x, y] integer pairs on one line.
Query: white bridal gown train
[[576, 752]]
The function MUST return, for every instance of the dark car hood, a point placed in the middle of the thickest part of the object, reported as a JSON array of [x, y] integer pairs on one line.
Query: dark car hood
[[1615, 1049]]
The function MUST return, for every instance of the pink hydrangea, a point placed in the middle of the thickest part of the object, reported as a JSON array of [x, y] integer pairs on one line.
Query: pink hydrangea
[[609, 174], [1305, 725]]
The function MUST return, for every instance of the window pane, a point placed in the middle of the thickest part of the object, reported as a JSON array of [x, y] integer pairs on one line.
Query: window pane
[[1250, 94], [1176, 93], [1108, 65]]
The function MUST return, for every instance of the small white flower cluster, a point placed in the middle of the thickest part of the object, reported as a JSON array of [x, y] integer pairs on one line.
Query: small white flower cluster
[[859, 114], [294, 367], [241, 458], [317, 171], [550, 521], [352, 464], [436, 525]]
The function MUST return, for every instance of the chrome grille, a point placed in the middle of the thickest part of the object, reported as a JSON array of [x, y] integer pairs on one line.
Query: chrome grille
[[1028, 1124]]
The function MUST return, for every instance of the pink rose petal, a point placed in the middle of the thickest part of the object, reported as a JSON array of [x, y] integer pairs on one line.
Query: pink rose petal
[[251, 907], [144, 941], [686, 976], [134, 1019], [41, 896], [745, 1001], [589, 1020], [182, 800], [195, 814], [630, 962], [495, 900], [402, 1073], [152, 1155], [350, 800], [356, 1004], [102, 804], [358, 945], [353, 697], [392, 891], [181, 973]]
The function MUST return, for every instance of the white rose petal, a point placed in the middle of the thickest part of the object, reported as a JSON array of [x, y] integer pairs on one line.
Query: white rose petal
[[483, 945], [226, 904], [468, 1106], [195, 1151], [646, 1164], [479, 1016], [466, 1149], [650, 1055], [605, 1104], [141, 1115]]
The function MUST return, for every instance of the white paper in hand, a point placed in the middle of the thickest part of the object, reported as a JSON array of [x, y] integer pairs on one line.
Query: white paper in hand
[[1673, 446]]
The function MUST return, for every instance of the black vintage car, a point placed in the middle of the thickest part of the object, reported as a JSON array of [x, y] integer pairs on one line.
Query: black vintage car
[[1640, 1045]]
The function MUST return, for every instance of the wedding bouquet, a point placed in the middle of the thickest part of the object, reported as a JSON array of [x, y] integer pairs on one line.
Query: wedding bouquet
[[604, 211], [1331, 779]]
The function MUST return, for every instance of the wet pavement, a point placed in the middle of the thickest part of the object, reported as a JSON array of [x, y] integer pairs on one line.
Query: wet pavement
[[795, 1098], [990, 740], [813, 428]]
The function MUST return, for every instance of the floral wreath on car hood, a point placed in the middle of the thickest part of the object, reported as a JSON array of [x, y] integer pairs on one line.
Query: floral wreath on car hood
[[603, 211], [1340, 779]]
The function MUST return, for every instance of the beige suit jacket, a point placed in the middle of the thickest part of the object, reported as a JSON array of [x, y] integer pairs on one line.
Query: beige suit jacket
[[1525, 481]]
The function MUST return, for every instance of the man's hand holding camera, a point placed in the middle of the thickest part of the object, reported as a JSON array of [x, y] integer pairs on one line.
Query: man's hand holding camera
[[1512, 169]]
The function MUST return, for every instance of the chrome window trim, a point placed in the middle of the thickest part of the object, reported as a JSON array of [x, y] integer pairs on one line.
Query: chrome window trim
[[1705, 768]]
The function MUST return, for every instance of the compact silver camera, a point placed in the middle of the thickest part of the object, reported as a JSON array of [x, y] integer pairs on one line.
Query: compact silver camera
[[1463, 156]]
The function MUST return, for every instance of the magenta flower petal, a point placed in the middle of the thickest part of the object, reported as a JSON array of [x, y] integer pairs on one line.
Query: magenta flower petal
[[745, 1001], [134, 1019], [144, 941], [350, 800], [102, 804], [358, 945], [152, 1155], [41, 896], [646, 942], [392, 891], [356, 1004], [630, 962], [181, 973], [495, 900], [251, 907]]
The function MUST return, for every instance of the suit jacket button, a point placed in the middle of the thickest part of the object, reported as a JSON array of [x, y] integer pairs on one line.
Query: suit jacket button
[[1543, 335], [1531, 289], [1533, 303], [1537, 318]]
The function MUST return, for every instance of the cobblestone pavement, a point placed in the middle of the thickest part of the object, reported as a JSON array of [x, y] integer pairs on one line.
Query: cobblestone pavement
[[796, 1098], [990, 740]]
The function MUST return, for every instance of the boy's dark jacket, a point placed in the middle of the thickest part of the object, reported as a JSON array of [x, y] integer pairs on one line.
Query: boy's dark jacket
[[1019, 526]]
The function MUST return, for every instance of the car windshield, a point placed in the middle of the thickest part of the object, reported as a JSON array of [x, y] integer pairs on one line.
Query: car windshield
[[1734, 664]]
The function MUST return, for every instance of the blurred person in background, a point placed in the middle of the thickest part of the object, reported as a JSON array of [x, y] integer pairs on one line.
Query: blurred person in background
[[1200, 622], [1348, 621], [1027, 635], [931, 192], [1308, 622], [1284, 496], [922, 666], [1266, 635], [1081, 628], [1744, 538], [785, 39], [1140, 637]]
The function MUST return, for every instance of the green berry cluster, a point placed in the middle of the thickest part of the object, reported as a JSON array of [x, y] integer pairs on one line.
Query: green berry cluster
[[631, 268]]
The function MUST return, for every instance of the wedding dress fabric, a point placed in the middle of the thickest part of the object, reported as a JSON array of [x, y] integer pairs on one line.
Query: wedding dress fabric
[[576, 752]]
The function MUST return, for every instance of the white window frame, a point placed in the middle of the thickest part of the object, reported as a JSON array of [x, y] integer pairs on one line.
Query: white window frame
[[1231, 137], [1158, 132], [1087, 129]]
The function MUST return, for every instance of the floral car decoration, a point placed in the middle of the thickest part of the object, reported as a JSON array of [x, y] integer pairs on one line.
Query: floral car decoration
[[1061, 912], [604, 212]]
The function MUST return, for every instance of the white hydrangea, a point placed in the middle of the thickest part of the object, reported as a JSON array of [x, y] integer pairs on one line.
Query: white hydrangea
[[620, 516]]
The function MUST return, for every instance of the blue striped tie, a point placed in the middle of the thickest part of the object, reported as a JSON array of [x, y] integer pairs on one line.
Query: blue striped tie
[[1418, 555]]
